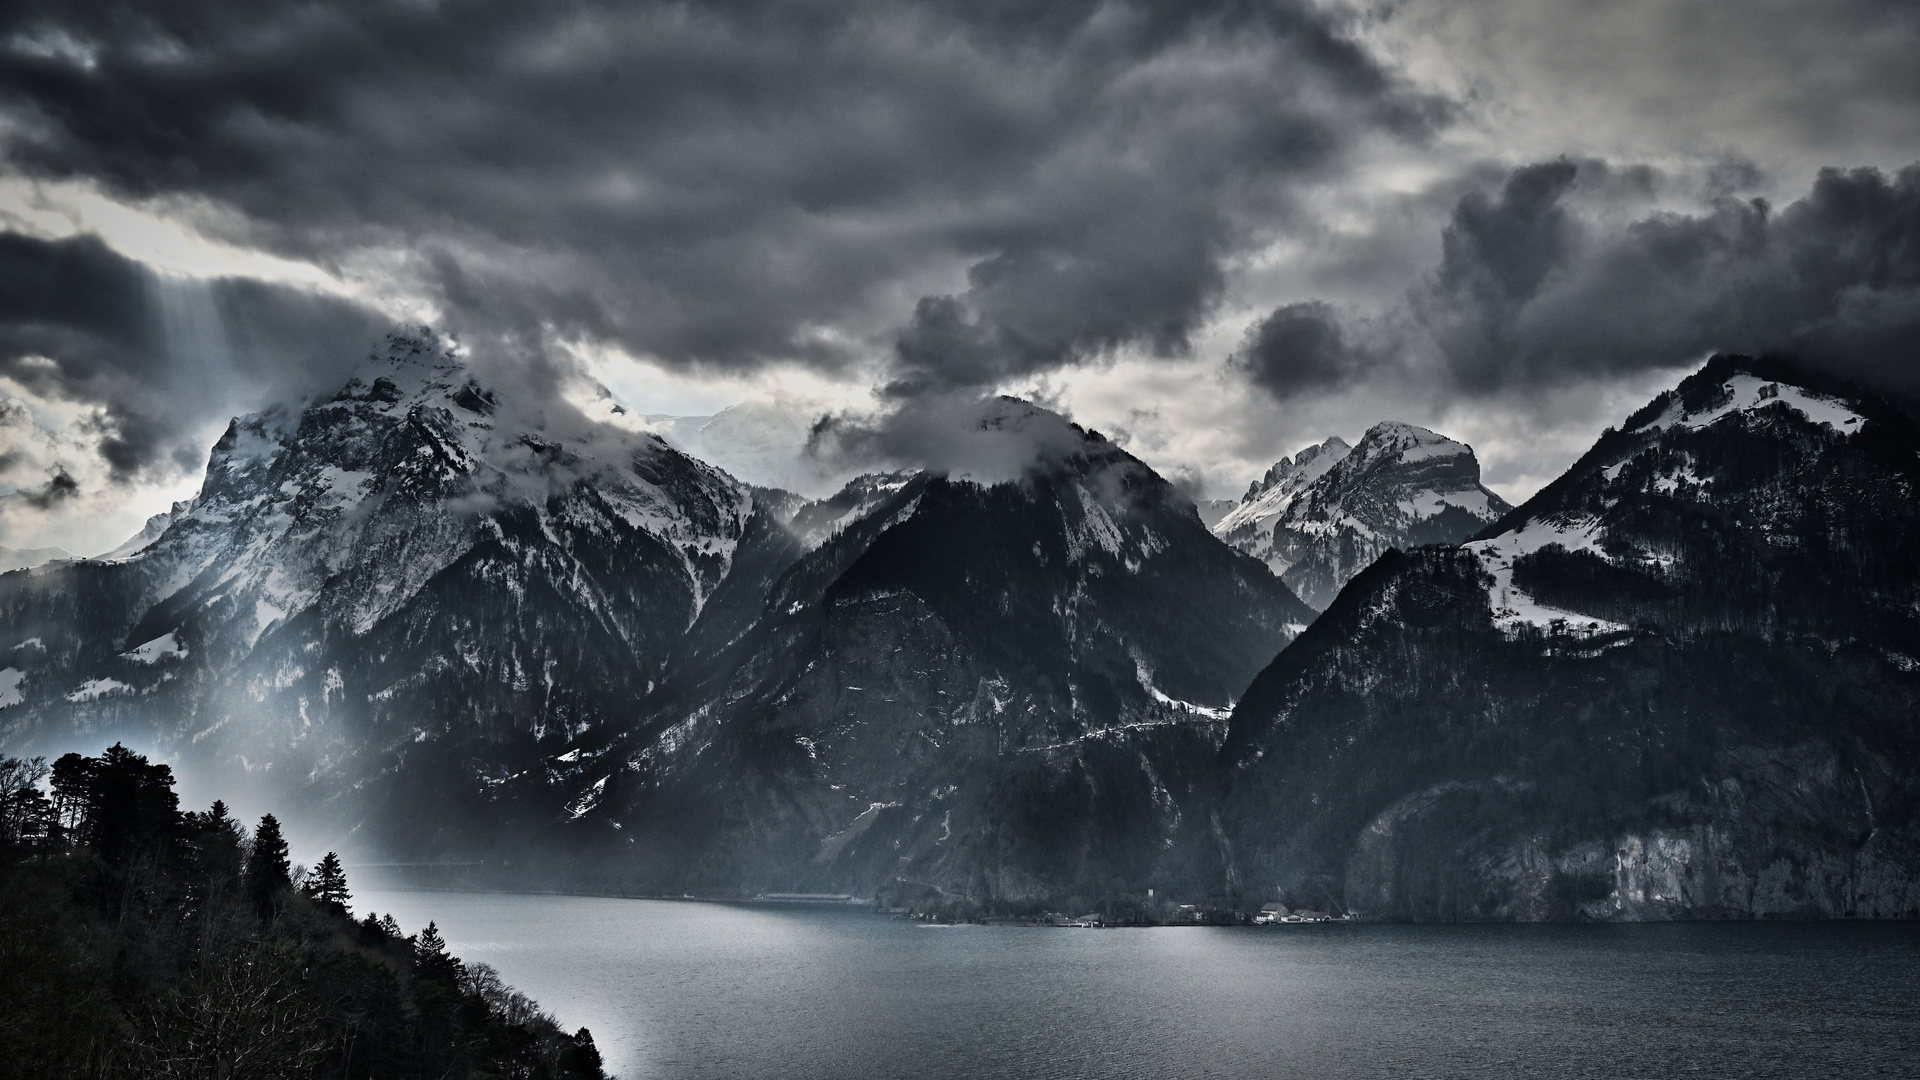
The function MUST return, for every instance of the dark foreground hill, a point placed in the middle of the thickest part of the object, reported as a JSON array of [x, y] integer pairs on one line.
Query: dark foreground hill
[[138, 941], [1682, 681]]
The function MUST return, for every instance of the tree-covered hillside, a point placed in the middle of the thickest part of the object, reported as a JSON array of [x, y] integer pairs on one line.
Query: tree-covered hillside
[[141, 941]]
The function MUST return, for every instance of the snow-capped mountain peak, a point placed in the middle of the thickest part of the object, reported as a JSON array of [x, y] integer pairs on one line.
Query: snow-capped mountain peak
[[1325, 515], [341, 514], [1392, 440], [1270, 495], [397, 474], [1743, 393], [1667, 462]]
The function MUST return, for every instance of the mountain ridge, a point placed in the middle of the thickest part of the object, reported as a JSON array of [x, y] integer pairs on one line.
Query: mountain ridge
[[1677, 683]]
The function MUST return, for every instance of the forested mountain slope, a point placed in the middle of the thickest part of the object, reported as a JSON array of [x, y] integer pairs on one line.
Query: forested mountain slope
[[1682, 681]]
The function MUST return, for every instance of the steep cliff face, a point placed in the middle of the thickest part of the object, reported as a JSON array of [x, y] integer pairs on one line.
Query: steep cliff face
[[1680, 682], [1320, 518], [1000, 691], [388, 599]]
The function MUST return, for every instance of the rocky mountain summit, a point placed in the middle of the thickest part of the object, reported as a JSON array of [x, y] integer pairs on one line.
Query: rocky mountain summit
[[1327, 513], [1679, 682], [389, 594]]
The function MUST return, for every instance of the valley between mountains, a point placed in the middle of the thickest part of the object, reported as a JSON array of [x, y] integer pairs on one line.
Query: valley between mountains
[[1682, 681]]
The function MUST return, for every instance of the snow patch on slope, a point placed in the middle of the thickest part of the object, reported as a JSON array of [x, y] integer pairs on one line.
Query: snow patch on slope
[[587, 800], [1270, 497], [97, 688], [1096, 529], [1748, 393], [1146, 683], [160, 648], [1512, 607]]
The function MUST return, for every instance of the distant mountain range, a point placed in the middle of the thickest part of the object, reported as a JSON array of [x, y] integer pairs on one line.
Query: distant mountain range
[[1679, 681], [21, 558]]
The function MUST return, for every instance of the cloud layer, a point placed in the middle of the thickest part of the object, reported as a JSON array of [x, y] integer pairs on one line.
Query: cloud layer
[[728, 184], [1531, 293], [156, 358], [1353, 208]]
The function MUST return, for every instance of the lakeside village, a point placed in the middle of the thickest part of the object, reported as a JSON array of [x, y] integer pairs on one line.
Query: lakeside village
[[1273, 914]]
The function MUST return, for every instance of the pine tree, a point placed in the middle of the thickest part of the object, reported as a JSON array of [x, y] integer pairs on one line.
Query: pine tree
[[217, 870], [328, 883], [430, 959], [268, 872], [430, 946], [118, 804], [222, 846], [582, 1059]]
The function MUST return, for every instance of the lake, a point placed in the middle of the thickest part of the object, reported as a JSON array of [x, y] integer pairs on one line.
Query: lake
[[687, 989]]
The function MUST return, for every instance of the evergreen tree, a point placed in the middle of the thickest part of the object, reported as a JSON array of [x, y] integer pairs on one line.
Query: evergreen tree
[[213, 885], [268, 872], [152, 963], [118, 804], [582, 1059], [430, 958], [221, 846], [328, 883]]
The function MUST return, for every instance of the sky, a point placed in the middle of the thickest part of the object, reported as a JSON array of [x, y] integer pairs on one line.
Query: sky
[[1216, 232]]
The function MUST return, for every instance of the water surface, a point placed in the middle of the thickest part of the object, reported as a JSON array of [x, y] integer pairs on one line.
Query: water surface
[[684, 989]]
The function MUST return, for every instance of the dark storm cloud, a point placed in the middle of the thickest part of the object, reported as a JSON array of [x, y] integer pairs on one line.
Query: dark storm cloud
[[59, 488], [958, 433], [1536, 289], [1301, 348], [1526, 295], [157, 357], [722, 185]]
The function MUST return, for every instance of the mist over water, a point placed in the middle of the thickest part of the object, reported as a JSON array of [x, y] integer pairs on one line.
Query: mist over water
[[696, 989]]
